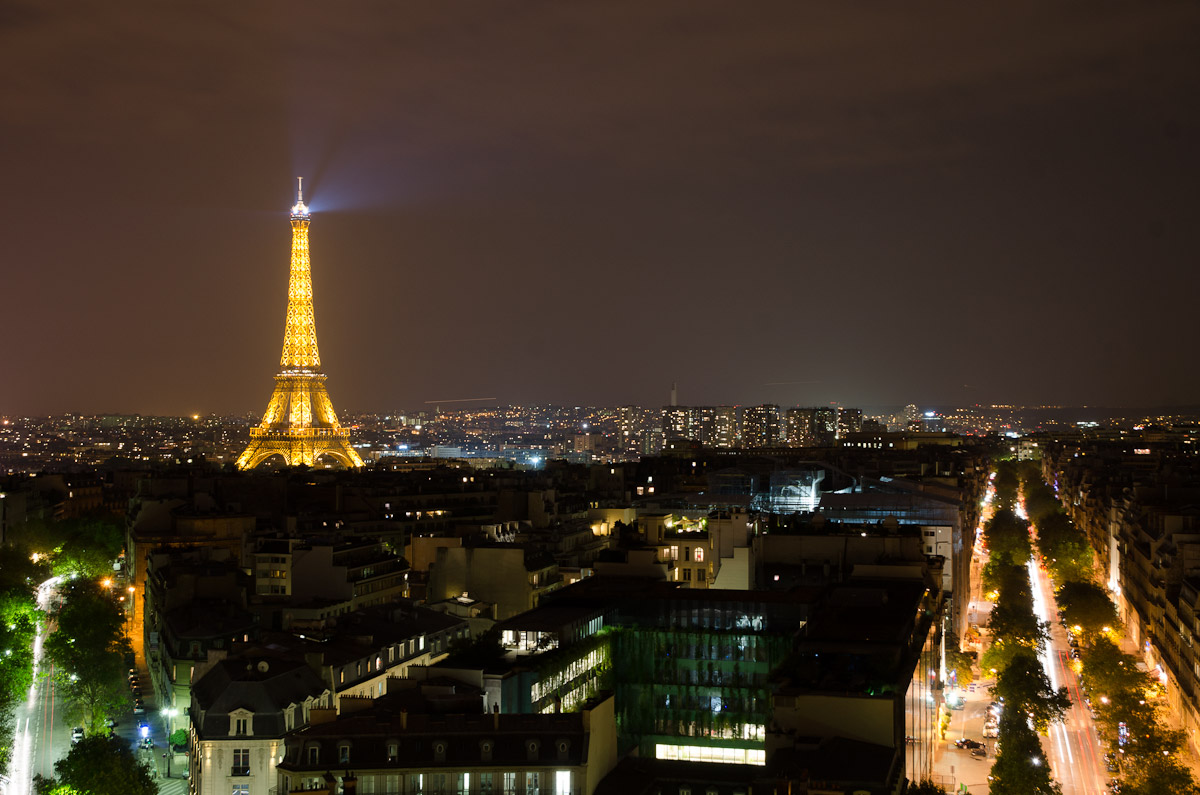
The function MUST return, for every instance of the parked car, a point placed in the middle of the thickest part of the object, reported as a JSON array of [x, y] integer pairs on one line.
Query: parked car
[[979, 753], [110, 723], [138, 707], [991, 732], [76, 734], [967, 742]]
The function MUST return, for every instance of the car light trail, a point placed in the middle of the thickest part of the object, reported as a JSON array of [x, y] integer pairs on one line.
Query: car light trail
[[21, 765]]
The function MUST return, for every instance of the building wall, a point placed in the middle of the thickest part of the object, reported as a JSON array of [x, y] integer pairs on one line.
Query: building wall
[[490, 574], [212, 766]]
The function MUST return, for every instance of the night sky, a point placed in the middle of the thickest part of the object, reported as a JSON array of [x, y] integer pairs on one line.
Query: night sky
[[580, 203]]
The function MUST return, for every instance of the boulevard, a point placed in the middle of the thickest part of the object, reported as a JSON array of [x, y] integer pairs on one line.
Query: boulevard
[[1073, 747]]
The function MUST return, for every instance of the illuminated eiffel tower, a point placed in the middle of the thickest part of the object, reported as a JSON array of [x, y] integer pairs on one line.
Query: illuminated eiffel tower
[[299, 423]]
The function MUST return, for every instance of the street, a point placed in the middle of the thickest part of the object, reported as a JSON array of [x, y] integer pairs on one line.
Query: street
[[1073, 747], [43, 733]]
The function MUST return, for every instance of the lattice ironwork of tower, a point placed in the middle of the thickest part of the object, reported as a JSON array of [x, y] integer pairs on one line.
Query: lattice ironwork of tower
[[299, 423]]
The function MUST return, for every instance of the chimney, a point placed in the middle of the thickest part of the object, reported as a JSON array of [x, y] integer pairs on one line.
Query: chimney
[[495, 717]]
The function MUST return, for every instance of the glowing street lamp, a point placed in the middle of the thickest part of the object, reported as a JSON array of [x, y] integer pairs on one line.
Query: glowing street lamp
[[169, 714]]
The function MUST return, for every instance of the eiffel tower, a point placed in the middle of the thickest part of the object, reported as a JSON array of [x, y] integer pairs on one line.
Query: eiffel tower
[[299, 423]]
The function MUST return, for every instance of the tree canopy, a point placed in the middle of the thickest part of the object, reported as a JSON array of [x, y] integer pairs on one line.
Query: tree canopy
[[88, 649], [99, 765], [1026, 690], [1020, 768], [1087, 605], [84, 547]]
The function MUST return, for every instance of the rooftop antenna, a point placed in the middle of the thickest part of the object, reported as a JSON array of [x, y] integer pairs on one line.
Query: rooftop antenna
[[300, 189]]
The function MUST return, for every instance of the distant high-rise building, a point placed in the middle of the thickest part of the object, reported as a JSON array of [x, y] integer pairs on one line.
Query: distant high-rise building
[[723, 432], [825, 425], [299, 424], [932, 422], [798, 427], [760, 426], [849, 421], [676, 422]]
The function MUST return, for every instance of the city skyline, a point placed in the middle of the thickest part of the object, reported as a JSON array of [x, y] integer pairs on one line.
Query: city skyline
[[582, 206]]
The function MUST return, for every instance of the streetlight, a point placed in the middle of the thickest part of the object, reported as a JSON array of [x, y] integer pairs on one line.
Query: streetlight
[[169, 714]]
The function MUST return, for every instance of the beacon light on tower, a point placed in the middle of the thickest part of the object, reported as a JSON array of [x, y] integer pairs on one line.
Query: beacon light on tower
[[299, 209]]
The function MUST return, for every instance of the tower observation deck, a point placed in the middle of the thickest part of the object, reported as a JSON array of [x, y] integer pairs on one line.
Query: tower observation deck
[[299, 424]]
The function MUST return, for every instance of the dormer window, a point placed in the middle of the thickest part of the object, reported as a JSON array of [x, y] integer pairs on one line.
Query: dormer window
[[344, 754], [393, 752], [531, 750], [314, 754], [241, 723], [485, 751], [564, 749], [439, 751]]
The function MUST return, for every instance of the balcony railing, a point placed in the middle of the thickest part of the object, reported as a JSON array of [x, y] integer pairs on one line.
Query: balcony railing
[[239, 770]]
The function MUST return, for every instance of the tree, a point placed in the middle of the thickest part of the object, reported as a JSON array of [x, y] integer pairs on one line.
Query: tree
[[1007, 538], [1158, 774], [99, 765], [1013, 625], [84, 547], [1040, 501], [19, 617], [925, 787], [88, 650], [19, 620], [1085, 604], [962, 664], [1026, 690], [1065, 549], [1007, 482], [1109, 672], [19, 572], [1021, 767]]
